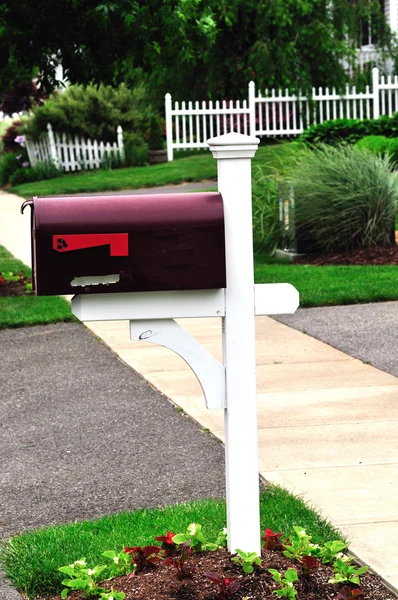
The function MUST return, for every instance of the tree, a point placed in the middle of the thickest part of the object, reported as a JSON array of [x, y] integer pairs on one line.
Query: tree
[[191, 48]]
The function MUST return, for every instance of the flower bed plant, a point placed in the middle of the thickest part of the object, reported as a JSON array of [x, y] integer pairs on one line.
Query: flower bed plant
[[15, 284], [187, 566]]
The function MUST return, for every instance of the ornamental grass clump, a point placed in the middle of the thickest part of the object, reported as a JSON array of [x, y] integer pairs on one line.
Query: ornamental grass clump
[[345, 198], [266, 227]]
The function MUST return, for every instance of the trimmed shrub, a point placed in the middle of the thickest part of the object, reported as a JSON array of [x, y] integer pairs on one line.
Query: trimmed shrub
[[350, 130], [41, 171], [345, 198], [378, 144], [266, 227], [8, 165], [382, 145], [335, 132]]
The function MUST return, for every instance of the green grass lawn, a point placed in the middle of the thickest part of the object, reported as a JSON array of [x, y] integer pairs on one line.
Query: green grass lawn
[[193, 168], [318, 286], [19, 311], [31, 560], [326, 286]]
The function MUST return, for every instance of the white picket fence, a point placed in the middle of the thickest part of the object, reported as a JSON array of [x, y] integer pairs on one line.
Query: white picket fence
[[73, 153], [275, 113]]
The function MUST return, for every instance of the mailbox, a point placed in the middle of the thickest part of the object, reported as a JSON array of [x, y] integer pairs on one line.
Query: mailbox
[[130, 243]]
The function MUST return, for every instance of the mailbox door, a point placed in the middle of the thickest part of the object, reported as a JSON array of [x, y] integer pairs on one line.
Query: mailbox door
[[128, 243]]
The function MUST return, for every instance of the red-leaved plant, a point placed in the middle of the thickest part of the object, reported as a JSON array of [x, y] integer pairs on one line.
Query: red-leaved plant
[[144, 556], [310, 564], [346, 593], [179, 560], [167, 543], [272, 540], [226, 586]]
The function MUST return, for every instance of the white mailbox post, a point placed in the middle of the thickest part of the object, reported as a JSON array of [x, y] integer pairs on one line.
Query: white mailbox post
[[231, 385]]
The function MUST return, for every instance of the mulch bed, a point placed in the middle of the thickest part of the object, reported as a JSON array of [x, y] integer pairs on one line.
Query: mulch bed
[[12, 288], [160, 581], [378, 255]]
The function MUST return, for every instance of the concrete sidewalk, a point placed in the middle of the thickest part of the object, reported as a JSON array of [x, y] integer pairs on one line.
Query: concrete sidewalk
[[327, 421]]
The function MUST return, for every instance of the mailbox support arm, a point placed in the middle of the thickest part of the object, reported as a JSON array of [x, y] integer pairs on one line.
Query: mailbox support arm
[[209, 371]]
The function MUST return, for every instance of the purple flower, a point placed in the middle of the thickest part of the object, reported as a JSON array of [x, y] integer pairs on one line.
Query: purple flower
[[20, 139], [19, 156], [25, 164]]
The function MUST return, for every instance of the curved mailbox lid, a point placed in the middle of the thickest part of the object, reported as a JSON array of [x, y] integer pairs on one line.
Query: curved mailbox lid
[[153, 242]]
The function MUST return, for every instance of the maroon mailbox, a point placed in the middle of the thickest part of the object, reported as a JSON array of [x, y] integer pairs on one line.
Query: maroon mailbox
[[131, 243]]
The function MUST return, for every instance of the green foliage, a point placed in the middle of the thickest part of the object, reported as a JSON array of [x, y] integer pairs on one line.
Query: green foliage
[[344, 572], [80, 577], [247, 560], [350, 131], [195, 538], [299, 544], [40, 172], [330, 549], [8, 165], [379, 144], [345, 198], [206, 47], [266, 228], [135, 149], [155, 137], [286, 587], [120, 563], [374, 143], [93, 112], [337, 131]]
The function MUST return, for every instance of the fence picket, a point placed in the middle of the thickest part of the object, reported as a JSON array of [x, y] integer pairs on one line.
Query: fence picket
[[184, 125], [244, 110], [190, 123]]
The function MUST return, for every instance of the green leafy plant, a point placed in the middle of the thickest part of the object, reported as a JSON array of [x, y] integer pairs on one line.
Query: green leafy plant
[[344, 572], [222, 538], [286, 587], [40, 172], [194, 536], [247, 560], [299, 545], [120, 563], [8, 165], [329, 550], [112, 595], [82, 578], [345, 198]]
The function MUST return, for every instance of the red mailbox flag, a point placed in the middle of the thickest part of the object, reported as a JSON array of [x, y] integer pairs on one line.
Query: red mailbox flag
[[118, 242]]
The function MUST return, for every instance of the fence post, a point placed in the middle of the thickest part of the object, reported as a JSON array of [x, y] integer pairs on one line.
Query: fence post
[[120, 142], [169, 127], [234, 152], [53, 149], [252, 107], [376, 93]]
